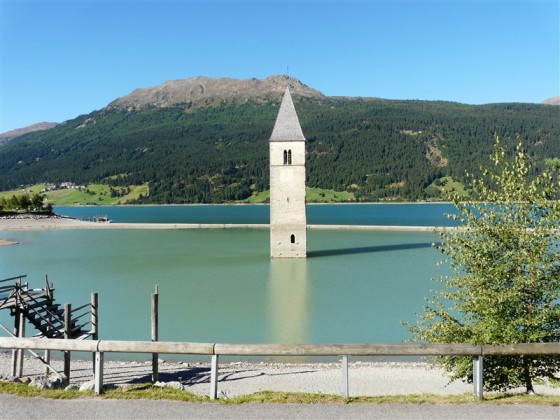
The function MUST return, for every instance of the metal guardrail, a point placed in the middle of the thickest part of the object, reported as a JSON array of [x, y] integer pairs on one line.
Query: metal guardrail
[[99, 347]]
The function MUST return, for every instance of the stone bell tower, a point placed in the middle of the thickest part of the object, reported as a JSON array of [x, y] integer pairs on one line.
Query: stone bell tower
[[288, 221]]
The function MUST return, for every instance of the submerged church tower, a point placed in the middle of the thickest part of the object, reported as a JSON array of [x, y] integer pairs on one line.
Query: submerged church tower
[[288, 221]]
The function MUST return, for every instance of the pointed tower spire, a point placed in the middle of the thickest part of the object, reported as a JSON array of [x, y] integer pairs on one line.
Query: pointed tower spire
[[288, 221], [287, 126]]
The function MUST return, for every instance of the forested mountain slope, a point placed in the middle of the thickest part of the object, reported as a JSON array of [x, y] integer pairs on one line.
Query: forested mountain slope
[[379, 149]]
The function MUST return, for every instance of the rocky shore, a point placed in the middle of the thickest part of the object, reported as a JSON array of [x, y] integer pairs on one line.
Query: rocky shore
[[42, 222]]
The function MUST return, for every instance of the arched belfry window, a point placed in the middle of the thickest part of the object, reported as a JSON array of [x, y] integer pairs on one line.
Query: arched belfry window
[[285, 157], [293, 238], [289, 157]]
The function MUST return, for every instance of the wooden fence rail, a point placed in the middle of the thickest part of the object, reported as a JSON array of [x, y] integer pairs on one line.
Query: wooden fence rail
[[349, 349], [99, 347]]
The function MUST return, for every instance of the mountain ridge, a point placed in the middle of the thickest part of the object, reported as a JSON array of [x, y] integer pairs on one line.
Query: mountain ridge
[[12, 134], [211, 146], [203, 91]]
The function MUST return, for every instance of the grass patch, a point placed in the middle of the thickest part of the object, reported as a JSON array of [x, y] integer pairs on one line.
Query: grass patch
[[134, 194], [319, 195], [269, 397], [312, 195], [22, 390], [258, 197], [92, 194], [34, 189], [150, 392], [448, 184], [100, 195]]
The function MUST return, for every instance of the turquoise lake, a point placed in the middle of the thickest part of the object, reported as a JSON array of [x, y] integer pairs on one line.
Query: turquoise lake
[[219, 285], [317, 214]]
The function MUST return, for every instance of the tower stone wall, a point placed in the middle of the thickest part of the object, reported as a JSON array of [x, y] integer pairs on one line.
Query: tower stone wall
[[288, 221]]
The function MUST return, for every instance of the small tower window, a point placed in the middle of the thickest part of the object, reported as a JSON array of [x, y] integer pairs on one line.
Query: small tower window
[[293, 238], [289, 157], [285, 157]]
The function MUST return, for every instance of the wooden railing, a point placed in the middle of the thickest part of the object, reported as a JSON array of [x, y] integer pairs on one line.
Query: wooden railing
[[100, 347], [37, 306]]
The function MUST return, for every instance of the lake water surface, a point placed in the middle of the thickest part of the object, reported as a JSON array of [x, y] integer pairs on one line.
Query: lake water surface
[[219, 285], [317, 214]]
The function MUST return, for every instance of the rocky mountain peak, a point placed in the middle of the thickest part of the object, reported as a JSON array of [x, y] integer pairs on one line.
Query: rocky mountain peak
[[555, 100], [204, 91]]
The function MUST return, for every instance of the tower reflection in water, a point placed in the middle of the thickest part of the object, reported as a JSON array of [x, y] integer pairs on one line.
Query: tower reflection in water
[[289, 302]]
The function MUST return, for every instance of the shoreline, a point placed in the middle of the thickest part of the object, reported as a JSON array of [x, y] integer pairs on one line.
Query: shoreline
[[361, 203], [59, 223], [246, 377]]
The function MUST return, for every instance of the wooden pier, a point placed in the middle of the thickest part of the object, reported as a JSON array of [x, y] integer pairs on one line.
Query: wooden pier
[[37, 307]]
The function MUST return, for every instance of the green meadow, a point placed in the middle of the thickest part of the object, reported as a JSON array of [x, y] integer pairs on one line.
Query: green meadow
[[312, 195], [103, 195], [92, 194]]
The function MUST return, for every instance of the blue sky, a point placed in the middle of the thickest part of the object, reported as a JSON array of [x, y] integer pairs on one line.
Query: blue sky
[[63, 58]]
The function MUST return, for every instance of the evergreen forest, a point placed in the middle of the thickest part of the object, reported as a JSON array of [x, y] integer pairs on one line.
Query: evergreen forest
[[380, 150]]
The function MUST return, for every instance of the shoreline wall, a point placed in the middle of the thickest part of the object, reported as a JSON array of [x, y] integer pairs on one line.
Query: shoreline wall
[[7, 225]]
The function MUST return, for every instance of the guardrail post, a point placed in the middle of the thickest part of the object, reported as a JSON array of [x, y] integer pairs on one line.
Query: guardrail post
[[98, 374], [477, 376], [214, 377], [345, 392], [20, 351], [15, 352]]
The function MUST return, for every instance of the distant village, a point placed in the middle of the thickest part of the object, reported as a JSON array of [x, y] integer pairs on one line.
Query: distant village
[[60, 186]]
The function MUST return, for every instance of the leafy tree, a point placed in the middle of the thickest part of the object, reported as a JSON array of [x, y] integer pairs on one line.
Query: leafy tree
[[25, 202], [505, 281], [37, 202]]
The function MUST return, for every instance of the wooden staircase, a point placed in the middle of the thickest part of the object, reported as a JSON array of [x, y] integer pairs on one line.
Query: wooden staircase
[[37, 306], [47, 317], [50, 319]]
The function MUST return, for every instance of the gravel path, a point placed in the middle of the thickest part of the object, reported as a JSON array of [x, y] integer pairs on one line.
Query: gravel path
[[365, 378]]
